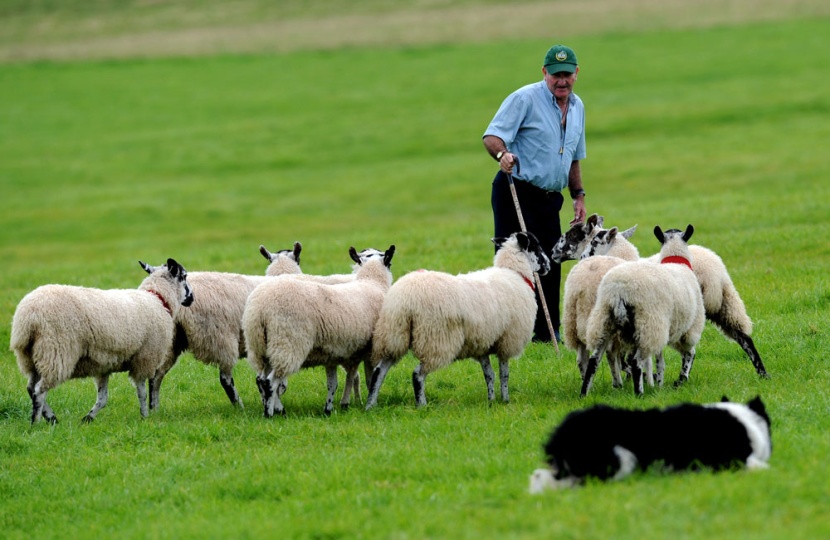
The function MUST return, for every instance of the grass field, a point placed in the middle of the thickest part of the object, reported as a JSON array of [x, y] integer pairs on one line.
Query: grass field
[[716, 118]]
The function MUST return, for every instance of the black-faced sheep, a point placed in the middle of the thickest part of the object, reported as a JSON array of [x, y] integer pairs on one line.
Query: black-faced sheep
[[648, 306], [62, 332], [575, 240], [290, 324], [443, 318]]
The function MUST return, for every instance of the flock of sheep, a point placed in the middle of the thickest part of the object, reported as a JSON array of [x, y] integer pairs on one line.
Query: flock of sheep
[[615, 304]]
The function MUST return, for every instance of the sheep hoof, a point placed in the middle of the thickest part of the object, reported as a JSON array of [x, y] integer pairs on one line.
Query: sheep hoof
[[679, 382], [87, 419], [344, 406]]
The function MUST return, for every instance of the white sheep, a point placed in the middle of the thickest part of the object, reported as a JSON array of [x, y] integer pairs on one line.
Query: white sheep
[[443, 318], [212, 328], [649, 306], [290, 324], [723, 304], [580, 296], [276, 269], [62, 332]]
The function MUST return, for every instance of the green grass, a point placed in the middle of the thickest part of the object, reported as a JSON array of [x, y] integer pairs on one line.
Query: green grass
[[203, 159]]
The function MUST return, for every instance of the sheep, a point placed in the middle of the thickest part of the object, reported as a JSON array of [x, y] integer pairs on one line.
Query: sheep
[[581, 291], [276, 268], [575, 239], [723, 305], [212, 328], [62, 332], [290, 324], [443, 318], [648, 306]]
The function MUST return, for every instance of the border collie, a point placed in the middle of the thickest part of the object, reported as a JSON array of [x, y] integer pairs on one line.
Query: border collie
[[609, 443]]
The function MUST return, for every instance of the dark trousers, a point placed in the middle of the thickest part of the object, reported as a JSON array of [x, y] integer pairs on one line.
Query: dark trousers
[[540, 210]]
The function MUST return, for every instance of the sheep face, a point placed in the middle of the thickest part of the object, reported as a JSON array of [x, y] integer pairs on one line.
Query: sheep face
[[601, 242], [178, 275], [573, 242]]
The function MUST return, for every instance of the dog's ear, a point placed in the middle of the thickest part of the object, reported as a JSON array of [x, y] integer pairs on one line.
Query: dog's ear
[[724, 399]]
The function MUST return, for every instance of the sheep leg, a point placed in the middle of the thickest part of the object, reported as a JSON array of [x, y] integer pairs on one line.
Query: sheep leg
[[102, 382], [748, 346], [637, 377], [226, 380], [272, 388], [418, 381], [582, 359], [368, 369], [489, 376], [356, 386], [331, 384], [155, 389], [685, 367], [613, 357], [352, 383], [376, 381], [504, 377], [661, 367], [590, 371], [649, 371], [40, 409], [141, 392]]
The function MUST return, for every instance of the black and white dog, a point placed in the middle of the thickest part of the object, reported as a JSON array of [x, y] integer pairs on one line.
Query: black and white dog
[[609, 443]]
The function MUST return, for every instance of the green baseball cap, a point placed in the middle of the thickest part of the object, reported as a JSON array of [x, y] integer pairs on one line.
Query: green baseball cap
[[560, 58]]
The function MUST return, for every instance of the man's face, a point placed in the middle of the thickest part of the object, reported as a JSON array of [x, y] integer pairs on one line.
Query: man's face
[[560, 83]]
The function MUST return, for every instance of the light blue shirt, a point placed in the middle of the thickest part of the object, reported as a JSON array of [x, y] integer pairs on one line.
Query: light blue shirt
[[530, 124]]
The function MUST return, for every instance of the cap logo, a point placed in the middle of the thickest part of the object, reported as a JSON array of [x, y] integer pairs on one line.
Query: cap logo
[[561, 56]]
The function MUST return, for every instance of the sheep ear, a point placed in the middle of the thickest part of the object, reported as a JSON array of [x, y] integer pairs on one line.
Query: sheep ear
[[612, 233], [688, 234], [298, 247], [387, 256], [147, 268], [524, 240], [724, 399], [658, 232], [353, 254], [592, 220], [173, 267], [600, 221], [628, 233], [498, 241], [265, 253]]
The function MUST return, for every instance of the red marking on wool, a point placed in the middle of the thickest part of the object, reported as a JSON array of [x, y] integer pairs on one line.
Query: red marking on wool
[[163, 301], [674, 259]]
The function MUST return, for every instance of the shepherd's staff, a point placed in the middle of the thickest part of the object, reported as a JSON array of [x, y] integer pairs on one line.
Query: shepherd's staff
[[535, 274]]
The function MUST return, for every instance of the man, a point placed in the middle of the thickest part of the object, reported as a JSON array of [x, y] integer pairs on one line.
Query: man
[[538, 136]]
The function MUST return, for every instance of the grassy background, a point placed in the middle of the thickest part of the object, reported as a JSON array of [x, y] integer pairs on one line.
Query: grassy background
[[203, 157]]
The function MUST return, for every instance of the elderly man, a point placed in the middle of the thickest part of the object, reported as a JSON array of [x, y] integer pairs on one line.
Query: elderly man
[[538, 136]]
